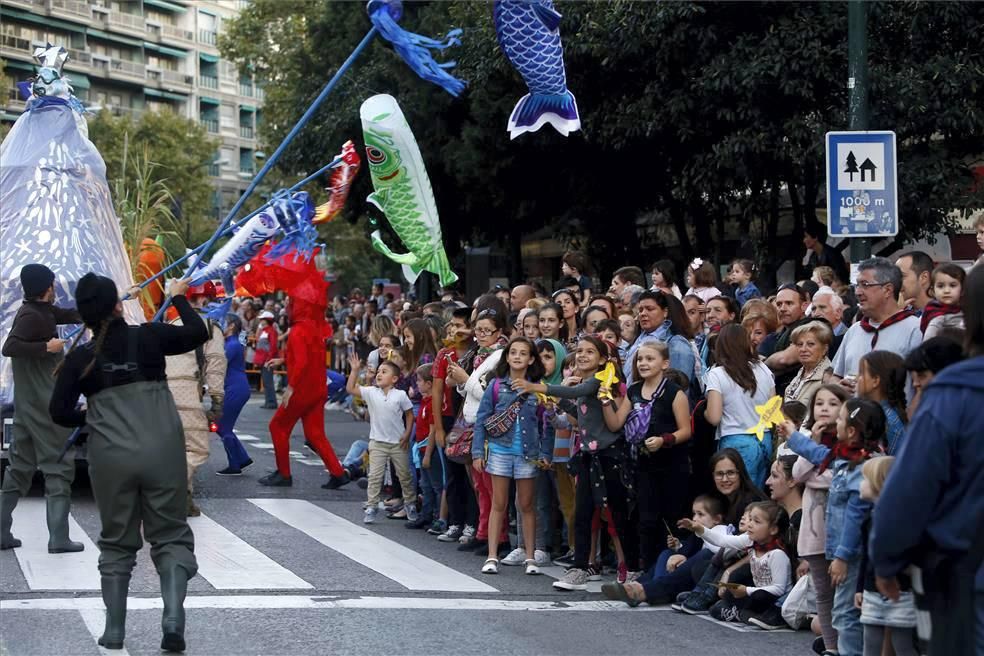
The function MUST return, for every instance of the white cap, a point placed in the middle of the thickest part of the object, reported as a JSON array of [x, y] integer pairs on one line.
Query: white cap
[[265, 314]]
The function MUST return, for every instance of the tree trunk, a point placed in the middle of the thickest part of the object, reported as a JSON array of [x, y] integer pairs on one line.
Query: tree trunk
[[686, 248]]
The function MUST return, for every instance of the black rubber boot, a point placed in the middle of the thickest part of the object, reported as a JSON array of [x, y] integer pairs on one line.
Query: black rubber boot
[[8, 501], [58, 541], [174, 586], [114, 591]]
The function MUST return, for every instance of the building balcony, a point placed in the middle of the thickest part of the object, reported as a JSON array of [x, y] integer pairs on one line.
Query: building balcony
[[246, 169], [246, 132], [246, 90], [16, 44], [173, 32], [30, 5], [208, 36], [127, 70], [73, 9], [212, 125], [171, 78], [213, 170], [208, 82], [130, 23], [132, 113], [79, 57]]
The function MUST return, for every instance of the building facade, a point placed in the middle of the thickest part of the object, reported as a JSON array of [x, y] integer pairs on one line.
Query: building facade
[[135, 56]]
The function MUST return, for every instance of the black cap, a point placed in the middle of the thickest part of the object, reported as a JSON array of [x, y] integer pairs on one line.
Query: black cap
[[36, 279], [95, 298]]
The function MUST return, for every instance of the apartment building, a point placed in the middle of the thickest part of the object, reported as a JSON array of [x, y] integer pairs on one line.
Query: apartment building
[[136, 56]]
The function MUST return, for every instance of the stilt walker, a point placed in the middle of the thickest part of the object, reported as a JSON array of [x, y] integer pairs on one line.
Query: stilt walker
[[136, 448], [35, 351], [188, 375]]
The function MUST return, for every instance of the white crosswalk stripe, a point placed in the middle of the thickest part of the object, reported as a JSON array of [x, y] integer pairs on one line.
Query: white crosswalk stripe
[[391, 559], [230, 563], [44, 571]]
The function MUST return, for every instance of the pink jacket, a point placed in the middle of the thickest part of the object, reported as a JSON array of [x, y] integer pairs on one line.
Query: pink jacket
[[813, 528]]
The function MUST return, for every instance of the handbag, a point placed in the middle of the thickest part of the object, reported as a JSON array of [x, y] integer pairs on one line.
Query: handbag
[[499, 424], [637, 423], [459, 441]]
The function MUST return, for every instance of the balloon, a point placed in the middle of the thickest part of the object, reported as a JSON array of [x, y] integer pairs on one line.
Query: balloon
[[55, 206], [529, 36], [338, 185], [403, 191]]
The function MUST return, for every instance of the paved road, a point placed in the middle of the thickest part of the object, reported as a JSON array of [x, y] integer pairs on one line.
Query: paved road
[[294, 571]]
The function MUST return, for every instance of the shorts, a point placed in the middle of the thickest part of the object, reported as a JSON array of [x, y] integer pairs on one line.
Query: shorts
[[876, 609], [510, 466]]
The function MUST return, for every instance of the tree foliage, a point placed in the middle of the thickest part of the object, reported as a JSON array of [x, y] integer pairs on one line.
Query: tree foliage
[[694, 115], [178, 153]]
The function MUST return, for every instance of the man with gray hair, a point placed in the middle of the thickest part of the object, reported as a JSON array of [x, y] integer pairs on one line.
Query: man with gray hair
[[827, 304], [630, 295], [884, 327]]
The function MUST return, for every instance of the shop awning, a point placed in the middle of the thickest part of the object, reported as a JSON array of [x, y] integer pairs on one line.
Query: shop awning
[[164, 50], [211, 59], [166, 6], [157, 93], [7, 13], [20, 66], [247, 108], [77, 80], [99, 34], [205, 100]]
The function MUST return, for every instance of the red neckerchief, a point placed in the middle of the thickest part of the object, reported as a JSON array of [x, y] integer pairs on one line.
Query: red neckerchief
[[762, 549], [828, 438], [895, 318], [935, 309], [843, 451]]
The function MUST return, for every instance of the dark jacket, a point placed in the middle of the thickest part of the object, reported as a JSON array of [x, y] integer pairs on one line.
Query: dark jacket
[[34, 324], [933, 499], [153, 341]]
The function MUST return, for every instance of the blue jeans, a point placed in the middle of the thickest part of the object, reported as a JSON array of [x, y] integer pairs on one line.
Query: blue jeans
[[662, 587], [847, 618], [756, 455], [269, 386], [432, 486], [355, 452]]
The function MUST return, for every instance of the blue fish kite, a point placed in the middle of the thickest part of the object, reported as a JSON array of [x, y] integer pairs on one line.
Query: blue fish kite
[[528, 33]]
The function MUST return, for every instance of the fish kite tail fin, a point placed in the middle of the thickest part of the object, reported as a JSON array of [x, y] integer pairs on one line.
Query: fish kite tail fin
[[533, 111], [414, 48], [439, 265]]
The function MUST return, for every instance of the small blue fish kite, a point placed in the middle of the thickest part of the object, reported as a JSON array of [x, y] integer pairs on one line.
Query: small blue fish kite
[[528, 33]]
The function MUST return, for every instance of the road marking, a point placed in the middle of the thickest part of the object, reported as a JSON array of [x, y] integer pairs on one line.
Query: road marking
[[311, 461], [230, 563], [261, 445], [391, 559], [248, 438], [45, 571], [296, 454], [740, 627], [95, 621], [556, 572], [286, 601]]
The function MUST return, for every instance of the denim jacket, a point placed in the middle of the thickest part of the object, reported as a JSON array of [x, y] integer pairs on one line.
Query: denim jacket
[[681, 355], [536, 444], [846, 509]]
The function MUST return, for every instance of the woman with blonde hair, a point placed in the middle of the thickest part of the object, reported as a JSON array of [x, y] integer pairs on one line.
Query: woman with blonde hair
[[812, 341]]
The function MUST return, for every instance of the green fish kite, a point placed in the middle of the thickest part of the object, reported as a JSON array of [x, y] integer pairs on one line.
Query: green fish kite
[[403, 191]]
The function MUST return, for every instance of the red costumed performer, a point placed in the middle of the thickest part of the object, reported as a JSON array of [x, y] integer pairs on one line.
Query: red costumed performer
[[307, 383]]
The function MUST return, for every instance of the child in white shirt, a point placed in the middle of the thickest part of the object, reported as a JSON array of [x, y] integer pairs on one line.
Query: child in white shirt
[[390, 423], [771, 573]]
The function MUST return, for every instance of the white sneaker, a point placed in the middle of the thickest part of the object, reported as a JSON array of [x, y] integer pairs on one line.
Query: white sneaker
[[541, 557], [411, 512], [467, 535], [370, 516], [516, 557], [573, 579], [531, 567]]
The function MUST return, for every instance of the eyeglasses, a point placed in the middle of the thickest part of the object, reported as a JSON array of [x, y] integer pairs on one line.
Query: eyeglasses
[[731, 473], [486, 331], [865, 284]]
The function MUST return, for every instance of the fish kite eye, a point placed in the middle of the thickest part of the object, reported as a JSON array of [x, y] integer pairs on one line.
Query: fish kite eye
[[375, 155]]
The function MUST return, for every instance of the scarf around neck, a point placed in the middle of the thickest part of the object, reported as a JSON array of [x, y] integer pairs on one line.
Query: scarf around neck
[[841, 451], [935, 309], [866, 326]]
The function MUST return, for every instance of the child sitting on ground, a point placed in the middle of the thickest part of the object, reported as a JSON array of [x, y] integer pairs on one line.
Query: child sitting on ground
[[771, 572], [661, 583]]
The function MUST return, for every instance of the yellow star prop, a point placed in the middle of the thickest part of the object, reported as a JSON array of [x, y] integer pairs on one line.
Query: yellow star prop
[[608, 377], [770, 415]]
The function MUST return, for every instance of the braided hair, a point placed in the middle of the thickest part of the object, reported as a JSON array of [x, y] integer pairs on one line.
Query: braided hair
[[98, 343]]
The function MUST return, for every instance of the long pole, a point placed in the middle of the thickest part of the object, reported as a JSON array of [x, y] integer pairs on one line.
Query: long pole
[[279, 151], [857, 89]]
